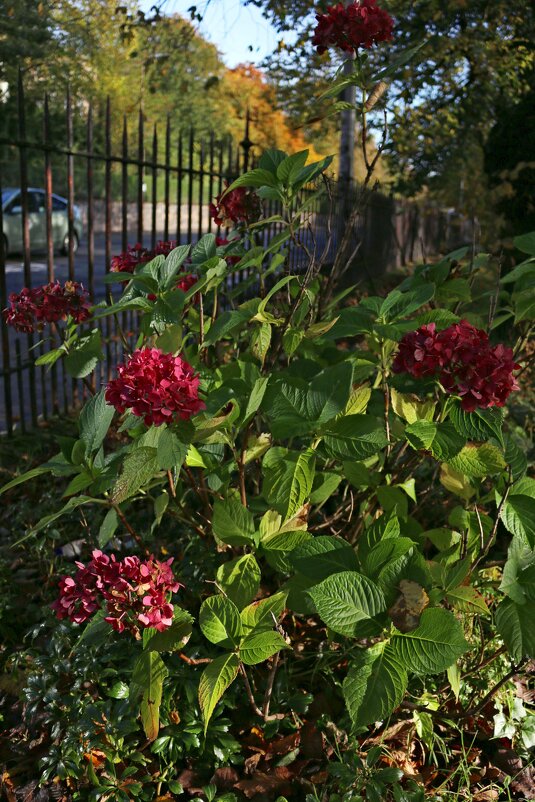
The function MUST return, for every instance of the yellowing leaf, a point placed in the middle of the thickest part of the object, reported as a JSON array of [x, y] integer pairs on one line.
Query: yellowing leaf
[[456, 482], [410, 408]]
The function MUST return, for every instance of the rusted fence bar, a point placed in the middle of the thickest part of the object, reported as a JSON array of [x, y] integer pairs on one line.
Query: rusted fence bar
[[154, 186]]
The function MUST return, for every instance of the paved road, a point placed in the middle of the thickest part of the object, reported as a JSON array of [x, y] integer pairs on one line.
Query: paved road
[[15, 271]]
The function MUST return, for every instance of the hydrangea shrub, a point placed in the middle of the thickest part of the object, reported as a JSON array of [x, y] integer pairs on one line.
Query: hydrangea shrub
[[300, 438]]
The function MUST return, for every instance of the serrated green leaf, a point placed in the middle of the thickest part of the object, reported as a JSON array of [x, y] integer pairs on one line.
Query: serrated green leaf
[[347, 600], [480, 424], [94, 421], [240, 579], [518, 517], [477, 461], [434, 645], [516, 625], [171, 639], [259, 646], [441, 439], [219, 620], [263, 614], [171, 450], [232, 523], [518, 578], [467, 599], [148, 674], [411, 408], [107, 528], [138, 468], [354, 437], [84, 356], [398, 304], [375, 685], [215, 680], [322, 556]]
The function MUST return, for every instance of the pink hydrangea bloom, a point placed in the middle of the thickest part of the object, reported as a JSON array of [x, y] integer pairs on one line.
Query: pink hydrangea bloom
[[462, 358], [155, 386], [134, 592]]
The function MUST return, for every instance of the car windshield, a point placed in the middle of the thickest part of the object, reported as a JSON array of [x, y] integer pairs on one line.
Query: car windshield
[[7, 194]]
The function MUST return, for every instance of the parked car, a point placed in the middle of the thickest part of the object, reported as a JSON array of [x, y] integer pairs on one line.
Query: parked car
[[12, 215]]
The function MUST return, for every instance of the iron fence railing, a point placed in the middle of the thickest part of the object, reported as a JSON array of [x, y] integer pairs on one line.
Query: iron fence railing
[[128, 186]]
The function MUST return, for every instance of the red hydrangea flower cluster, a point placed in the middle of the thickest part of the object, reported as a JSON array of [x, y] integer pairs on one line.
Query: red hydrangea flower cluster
[[238, 207], [361, 24], [155, 386], [29, 309], [463, 360], [135, 255], [135, 592]]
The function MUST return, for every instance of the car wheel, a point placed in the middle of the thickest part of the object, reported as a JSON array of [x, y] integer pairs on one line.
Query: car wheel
[[65, 245]]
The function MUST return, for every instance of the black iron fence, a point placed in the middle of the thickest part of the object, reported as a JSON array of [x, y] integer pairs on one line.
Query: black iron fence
[[79, 192]]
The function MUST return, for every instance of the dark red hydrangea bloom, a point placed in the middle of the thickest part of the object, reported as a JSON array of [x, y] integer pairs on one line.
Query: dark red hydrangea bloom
[[238, 207], [186, 281], [419, 353], [221, 242], [134, 592], [29, 309], [462, 358], [164, 248], [155, 386], [127, 261], [135, 255], [361, 24]]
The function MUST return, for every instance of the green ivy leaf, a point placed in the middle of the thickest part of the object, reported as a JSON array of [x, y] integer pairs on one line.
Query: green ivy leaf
[[345, 601], [375, 685], [434, 645], [215, 679]]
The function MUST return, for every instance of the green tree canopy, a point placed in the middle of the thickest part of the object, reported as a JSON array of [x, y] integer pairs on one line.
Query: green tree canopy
[[475, 55]]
